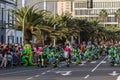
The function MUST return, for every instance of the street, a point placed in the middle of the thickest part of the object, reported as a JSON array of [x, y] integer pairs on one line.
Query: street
[[94, 70]]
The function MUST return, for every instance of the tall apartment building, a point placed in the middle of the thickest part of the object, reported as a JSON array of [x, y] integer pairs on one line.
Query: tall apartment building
[[64, 6], [6, 20], [90, 9], [49, 4]]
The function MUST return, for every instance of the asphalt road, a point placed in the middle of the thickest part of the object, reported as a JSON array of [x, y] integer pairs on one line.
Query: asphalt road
[[95, 70]]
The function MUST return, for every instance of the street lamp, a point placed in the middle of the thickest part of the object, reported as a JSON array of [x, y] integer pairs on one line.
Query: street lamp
[[54, 24], [23, 23]]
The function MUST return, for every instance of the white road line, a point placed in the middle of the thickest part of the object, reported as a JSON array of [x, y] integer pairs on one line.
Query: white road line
[[118, 78], [114, 73], [48, 71], [43, 73], [98, 65], [86, 76], [103, 62], [29, 78], [81, 64], [93, 62], [37, 75]]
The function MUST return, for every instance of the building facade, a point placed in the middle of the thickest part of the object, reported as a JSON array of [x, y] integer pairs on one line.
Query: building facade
[[64, 7], [6, 21], [49, 5], [90, 9]]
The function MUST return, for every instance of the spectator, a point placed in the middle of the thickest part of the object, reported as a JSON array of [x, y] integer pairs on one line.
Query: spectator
[[4, 56]]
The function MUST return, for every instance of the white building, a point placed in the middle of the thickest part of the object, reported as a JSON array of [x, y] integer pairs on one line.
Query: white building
[[49, 5], [90, 9], [7, 20]]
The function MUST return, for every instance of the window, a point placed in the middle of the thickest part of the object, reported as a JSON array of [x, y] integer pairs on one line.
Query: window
[[106, 4], [20, 39], [80, 5], [2, 38], [17, 40]]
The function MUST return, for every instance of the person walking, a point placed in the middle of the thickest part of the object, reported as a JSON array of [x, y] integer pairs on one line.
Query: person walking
[[4, 51]]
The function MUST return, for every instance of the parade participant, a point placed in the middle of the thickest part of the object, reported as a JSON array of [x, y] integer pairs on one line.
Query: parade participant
[[44, 56], [26, 57], [39, 51], [54, 57], [67, 54], [87, 54]]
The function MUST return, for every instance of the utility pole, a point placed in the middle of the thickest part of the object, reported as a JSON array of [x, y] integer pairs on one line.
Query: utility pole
[[23, 25], [54, 19]]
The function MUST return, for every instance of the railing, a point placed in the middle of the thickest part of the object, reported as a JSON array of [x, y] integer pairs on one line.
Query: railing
[[13, 2]]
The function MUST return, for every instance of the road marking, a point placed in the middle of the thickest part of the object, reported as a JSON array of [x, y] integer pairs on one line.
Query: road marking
[[37, 75], [29, 78], [43, 73], [67, 73], [93, 62], [98, 65], [118, 78], [114, 73], [103, 62], [48, 71], [86, 76], [81, 64], [64, 73], [61, 71]]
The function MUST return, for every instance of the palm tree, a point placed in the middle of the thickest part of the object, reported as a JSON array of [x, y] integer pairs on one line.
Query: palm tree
[[102, 15], [33, 20], [117, 15], [64, 27]]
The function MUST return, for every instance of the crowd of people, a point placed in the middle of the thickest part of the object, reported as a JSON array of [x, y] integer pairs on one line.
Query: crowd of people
[[33, 55], [10, 54]]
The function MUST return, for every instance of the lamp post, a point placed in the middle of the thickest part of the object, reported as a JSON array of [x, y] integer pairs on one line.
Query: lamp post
[[23, 23], [45, 8], [54, 43], [45, 5]]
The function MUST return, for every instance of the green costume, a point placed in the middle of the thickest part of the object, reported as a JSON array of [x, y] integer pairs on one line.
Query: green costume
[[26, 58], [44, 57]]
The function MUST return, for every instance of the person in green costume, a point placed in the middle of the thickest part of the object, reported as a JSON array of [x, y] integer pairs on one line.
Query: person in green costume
[[26, 57], [44, 56]]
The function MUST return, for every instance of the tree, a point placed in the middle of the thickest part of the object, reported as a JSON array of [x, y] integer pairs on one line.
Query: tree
[[102, 15], [33, 20]]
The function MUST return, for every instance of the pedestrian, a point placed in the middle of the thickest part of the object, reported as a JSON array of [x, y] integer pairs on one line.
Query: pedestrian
[[4, 56]]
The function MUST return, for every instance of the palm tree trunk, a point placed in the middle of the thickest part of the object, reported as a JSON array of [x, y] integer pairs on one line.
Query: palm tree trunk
[[28, 36], [79, 39]]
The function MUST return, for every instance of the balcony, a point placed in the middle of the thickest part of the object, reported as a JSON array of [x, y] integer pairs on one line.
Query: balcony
[[13, 2]]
